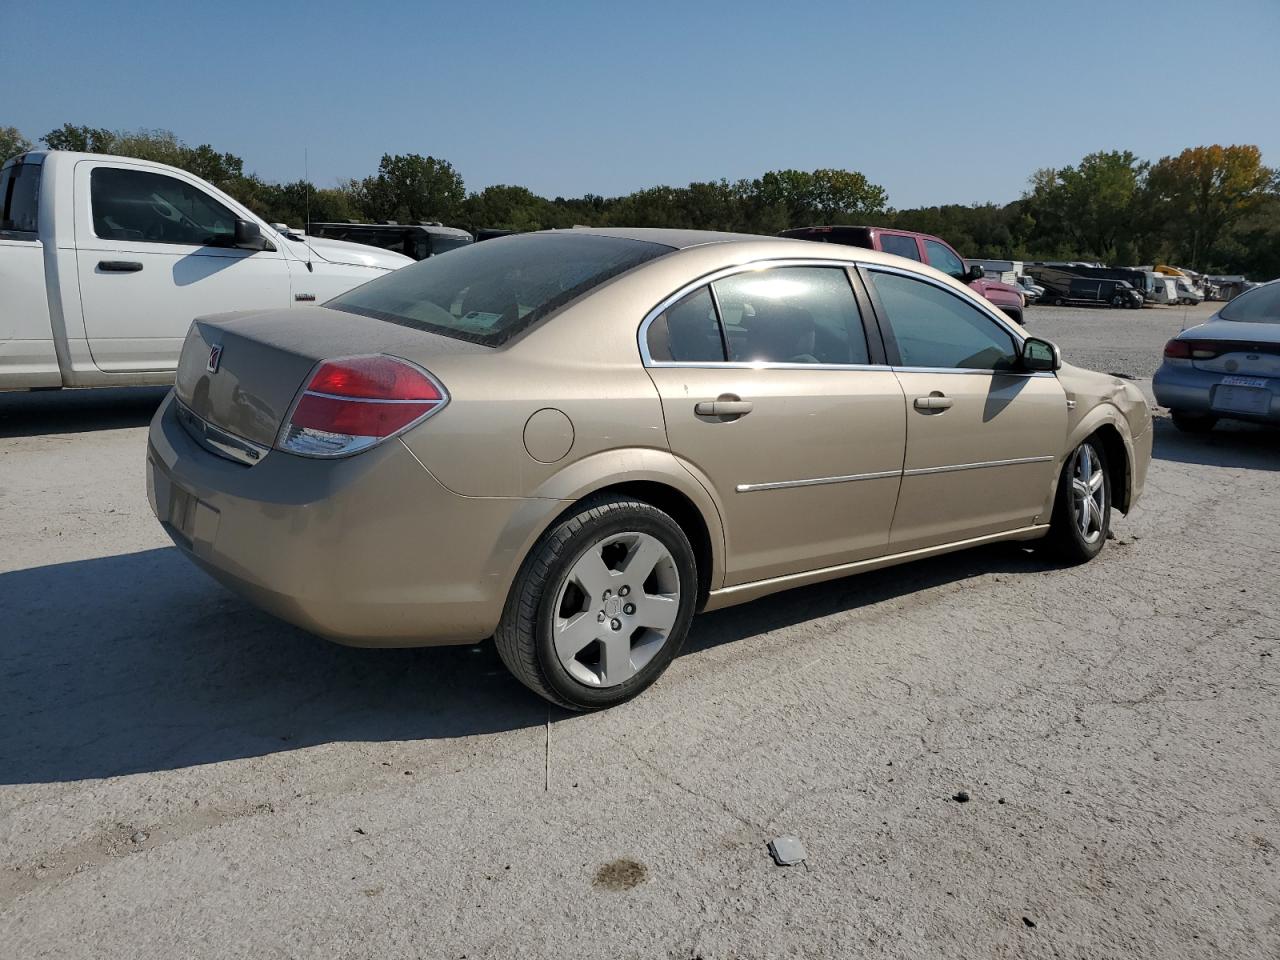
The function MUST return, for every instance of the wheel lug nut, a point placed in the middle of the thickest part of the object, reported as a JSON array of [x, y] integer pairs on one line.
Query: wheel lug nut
[[608, 594], [629, 609], [616, 624], [624, 591], [600, 617]]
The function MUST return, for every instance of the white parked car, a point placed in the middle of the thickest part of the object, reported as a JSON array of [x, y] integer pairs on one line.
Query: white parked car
[[105, 261]]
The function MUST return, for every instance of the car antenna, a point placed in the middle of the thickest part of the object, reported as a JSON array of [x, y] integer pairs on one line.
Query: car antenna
[[306, 228]]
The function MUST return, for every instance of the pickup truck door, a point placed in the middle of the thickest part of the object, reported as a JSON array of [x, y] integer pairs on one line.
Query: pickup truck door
[[152, 253]]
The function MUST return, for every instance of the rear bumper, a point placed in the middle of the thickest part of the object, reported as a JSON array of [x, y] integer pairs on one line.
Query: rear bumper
[[1187, 390], [369, 550]]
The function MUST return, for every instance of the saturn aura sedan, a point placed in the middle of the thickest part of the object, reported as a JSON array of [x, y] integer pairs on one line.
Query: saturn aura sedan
[[1227, 367], [573, 441]]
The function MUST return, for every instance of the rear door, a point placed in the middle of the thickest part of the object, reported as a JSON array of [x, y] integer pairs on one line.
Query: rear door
[[770, 389], [983, 437], [152, 254]]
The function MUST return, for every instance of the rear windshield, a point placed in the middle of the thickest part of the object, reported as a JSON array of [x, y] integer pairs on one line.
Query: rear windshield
[[19, 197], [1255, 306], [489, 292]]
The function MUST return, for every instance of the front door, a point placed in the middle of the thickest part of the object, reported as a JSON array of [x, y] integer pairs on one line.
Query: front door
[[152, 254], [983, 436], [769, 391]]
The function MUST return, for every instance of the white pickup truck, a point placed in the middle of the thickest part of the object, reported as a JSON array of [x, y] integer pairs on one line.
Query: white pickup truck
[[105, 261]]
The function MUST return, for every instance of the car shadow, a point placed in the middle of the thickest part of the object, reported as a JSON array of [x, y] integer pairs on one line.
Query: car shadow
[[40, 412], [1245, 446], [137, 663]]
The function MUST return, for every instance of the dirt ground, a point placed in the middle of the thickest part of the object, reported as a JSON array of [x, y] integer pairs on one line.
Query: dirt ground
[[181, 776]]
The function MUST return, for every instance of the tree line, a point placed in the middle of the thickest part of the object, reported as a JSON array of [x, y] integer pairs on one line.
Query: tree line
[[1214, 208]]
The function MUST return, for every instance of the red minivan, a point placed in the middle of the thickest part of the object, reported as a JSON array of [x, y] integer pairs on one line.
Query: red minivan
[[923, 248]]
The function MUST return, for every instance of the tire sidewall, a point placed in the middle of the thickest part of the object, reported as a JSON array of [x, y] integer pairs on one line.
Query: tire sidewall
[[655, 523]]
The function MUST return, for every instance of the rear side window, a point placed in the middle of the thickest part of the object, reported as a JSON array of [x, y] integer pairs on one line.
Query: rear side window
[[489, 292], [792, 315], [900, 246], [687, 331], [1261, 305], [936, 329], [20, 197], [151, 207]]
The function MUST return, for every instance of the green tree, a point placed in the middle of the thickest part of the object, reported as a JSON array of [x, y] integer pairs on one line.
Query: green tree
[[79, 138], [1093, 206], [821, 197], [411, 187], [1204, 190], [12, 143], [505, 207]]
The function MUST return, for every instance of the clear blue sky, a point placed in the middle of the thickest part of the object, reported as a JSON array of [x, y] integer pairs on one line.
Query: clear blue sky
[[937, 101]]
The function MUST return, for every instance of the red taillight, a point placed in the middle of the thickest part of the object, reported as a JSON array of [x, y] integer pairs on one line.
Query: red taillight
[[1177, 350], [1194, 349], [353, 403]]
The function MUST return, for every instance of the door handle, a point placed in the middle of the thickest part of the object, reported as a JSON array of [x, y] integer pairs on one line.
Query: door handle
[[933, 402], [724, 406], [119, 266]]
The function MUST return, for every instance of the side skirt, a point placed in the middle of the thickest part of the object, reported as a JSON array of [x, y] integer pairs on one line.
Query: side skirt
[[743, 592]]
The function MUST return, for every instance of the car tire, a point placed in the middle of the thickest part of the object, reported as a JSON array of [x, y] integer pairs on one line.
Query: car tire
[[1193, 422], [1117, 301], [1075, 536], [1058, 301], [583, 627]]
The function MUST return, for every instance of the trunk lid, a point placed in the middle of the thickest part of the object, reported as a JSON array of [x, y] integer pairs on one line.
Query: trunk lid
[[266, 357], [1246, 349]]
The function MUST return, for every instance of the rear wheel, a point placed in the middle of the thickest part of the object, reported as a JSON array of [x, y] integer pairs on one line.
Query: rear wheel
[[1193, 422], [1117, 301], [1082, 509], [1058, 301], [601, 605]]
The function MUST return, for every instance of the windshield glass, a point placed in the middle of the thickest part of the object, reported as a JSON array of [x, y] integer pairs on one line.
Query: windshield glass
[[488, 292], [1261, 305]]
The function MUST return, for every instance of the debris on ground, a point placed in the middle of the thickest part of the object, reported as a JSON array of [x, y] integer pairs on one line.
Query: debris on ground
[[787, 851], [960, 796]]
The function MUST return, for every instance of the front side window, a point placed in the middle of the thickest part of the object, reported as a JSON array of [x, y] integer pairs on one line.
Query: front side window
[[792, 315], [936, 329], [941, 257], [900, 246], [687, 331], [489, 292], [152, 207]]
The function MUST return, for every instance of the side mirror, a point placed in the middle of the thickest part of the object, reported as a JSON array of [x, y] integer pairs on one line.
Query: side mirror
[[1040, 354], [248, 236], [975, 272]]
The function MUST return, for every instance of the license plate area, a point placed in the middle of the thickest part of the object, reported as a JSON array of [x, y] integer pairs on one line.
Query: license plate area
[[1237, 398]]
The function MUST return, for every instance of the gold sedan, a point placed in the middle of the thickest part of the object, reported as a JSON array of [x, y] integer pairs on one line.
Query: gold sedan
[[573, 441]]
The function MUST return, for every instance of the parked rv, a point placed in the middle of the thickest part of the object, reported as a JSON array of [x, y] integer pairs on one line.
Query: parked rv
[[923, 248], [415, 240], [1092, 290]]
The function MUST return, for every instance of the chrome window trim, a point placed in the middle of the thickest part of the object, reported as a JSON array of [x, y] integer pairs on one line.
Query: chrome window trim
[[642, 337], [217, 440], [974, 370]]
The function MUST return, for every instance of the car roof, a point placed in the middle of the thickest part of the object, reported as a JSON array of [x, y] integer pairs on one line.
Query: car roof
[[679, 239]]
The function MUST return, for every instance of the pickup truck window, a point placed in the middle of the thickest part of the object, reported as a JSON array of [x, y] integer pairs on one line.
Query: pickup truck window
[[900, 246], [137, 205], [941, 258], [19, 198]]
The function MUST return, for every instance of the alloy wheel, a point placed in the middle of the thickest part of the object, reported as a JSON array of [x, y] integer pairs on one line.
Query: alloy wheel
[[615, 608], [1088, 493]]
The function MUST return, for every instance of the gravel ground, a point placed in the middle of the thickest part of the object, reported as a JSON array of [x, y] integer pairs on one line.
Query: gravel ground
[[182, 776]]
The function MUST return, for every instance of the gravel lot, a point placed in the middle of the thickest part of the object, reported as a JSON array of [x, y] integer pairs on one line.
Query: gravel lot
[[181, 776]]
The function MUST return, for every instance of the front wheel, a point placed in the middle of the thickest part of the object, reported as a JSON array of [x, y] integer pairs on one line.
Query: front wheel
[[1117, 301], [601, 605], [1082, 508]]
